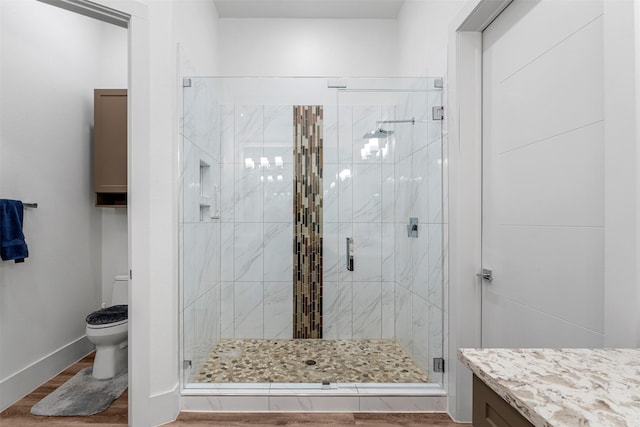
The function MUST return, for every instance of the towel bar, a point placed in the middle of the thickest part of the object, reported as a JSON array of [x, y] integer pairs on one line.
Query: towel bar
[[29, 205]]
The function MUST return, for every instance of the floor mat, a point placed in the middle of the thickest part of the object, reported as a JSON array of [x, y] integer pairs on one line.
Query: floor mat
[[82, 395]]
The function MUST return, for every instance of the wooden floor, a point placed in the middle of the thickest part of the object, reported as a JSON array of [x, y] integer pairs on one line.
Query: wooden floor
[[116, 415], [315, 420]]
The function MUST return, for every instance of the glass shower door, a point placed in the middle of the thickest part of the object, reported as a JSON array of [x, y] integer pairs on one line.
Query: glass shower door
[[237, 223], [383, 190]]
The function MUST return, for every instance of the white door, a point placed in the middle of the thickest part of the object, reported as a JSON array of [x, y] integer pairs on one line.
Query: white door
[[543, 175]]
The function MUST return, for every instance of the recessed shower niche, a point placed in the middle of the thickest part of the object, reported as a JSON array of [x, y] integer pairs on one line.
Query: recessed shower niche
[[371, 156]]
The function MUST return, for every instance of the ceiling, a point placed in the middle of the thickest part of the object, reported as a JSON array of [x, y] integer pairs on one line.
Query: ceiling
[[319, 9]]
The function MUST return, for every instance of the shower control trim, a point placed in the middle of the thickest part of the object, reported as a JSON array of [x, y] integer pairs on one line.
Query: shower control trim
[[412, 227], [349, 253]]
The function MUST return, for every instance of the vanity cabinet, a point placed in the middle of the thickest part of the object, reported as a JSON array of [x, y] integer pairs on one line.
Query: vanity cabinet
[[110, 147], [491, 410]]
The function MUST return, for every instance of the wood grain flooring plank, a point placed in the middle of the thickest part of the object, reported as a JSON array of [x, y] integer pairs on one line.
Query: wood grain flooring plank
[[404, 420], [186, 419], [264, 419]]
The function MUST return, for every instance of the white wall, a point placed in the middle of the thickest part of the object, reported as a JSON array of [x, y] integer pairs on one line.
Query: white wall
[[422, 36], [196, 28], [113, 58], [115, 259], [47, 81], [307, 47], [412, 45]]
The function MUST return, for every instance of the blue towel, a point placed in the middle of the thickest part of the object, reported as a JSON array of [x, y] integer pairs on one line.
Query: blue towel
[[12, 244]]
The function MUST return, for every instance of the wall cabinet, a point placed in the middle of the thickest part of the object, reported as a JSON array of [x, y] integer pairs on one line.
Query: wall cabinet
[[491, 410], [110, 147]]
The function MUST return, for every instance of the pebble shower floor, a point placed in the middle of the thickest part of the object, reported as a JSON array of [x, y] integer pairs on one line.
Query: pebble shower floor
[[309, 361]]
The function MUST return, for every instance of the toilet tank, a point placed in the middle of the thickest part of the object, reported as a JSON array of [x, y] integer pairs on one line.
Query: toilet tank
[[120, 290]]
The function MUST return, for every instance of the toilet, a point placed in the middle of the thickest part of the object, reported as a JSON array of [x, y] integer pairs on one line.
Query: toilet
[[107, 328]]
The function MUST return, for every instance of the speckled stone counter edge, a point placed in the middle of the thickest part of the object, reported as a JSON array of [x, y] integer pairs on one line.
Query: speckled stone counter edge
[[563, 387], [503, 392]]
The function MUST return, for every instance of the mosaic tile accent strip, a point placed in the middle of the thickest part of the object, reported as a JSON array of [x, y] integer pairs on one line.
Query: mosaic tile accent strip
[[307, 211], [309, 361]]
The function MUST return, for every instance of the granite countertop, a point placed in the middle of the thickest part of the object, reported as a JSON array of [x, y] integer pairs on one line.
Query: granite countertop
[[563, 387]]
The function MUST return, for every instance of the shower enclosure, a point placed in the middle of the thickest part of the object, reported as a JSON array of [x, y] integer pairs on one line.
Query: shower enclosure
[[312, 212]]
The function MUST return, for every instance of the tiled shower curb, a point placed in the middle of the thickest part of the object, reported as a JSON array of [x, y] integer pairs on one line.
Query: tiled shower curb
[[266, 397]]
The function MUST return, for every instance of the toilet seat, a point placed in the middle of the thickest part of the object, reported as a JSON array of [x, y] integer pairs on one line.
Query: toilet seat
[[108, 316], [107, 325]]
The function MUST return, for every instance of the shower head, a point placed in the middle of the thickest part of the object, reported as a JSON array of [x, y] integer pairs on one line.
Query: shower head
[[383, 133], [378, 133]]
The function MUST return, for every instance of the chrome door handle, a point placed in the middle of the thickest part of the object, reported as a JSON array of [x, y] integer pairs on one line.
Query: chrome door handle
[[486, 274], [349, 253]]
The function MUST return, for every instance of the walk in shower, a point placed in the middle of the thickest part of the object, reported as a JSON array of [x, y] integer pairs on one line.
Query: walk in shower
[[312, 232]]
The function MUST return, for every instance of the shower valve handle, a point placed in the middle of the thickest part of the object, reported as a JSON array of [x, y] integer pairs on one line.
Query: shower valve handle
[[349, 252]]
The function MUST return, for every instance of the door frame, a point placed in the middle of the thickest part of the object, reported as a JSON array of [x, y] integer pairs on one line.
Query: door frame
[[463, 118], [133, 15], [464, 169]]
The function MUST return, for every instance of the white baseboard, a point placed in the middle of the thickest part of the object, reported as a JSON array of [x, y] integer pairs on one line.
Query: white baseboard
[[23, 382], [165, 407]]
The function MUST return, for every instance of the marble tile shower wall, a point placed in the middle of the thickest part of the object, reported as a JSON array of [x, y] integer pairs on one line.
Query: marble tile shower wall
[[396, 287], [257, 230], [419, 261], [257, 221], [358, 203], [200, 232]]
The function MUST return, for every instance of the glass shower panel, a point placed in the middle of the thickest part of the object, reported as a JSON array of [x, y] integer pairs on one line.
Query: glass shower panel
[[397, 283], [200, 229], [237, 225]]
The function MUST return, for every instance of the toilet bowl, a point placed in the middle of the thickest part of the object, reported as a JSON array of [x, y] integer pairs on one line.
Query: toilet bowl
[[108, 330]]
